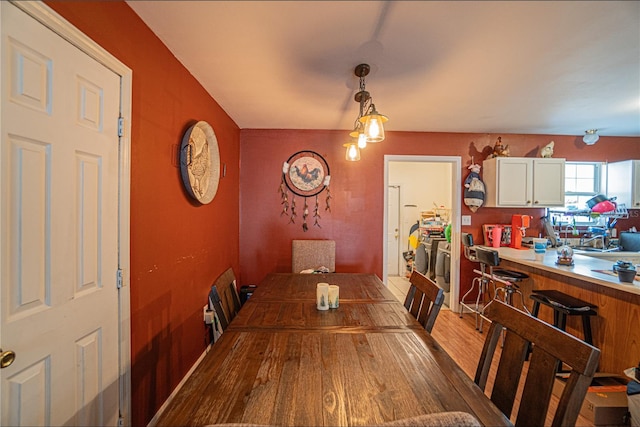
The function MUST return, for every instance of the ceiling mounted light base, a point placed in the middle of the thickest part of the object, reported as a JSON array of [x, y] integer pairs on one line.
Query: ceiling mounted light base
[[591, 136], [362, 70]]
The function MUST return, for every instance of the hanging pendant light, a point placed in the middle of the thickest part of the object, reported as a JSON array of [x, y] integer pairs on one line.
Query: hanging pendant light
[[353, 151], [372, 122]]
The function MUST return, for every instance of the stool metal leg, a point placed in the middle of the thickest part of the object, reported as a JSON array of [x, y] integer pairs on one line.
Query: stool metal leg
[[483, 292]]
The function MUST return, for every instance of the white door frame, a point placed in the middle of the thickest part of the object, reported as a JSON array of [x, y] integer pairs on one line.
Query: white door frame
[[456, 185], [399, 266], [66, 30]]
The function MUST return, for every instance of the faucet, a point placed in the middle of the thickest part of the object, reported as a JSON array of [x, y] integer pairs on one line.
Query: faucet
[[567, 227], [584, 241]]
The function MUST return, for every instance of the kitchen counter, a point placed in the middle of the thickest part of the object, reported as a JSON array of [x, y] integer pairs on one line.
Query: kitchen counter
[[583, 268]]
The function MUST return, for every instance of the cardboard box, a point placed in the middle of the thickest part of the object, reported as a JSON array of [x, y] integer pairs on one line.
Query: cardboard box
[[606, 401]]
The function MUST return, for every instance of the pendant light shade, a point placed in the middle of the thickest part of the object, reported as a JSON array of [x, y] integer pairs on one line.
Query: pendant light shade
[[358, 134], [374, 125], [353, 151]]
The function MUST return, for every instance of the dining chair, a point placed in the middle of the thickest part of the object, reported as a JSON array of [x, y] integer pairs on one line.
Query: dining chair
[[551, 346], [313, 254], [424, 299], [215, 302], [226, 301]]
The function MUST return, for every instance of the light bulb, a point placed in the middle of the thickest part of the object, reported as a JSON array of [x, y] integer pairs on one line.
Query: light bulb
[[362, 140], [353, 152], [374, 130]]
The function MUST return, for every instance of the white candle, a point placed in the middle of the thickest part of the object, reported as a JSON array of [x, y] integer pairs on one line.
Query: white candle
[[322, 296], [334, 296]]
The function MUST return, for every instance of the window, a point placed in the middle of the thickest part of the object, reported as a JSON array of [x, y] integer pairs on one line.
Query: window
[[583, 180]]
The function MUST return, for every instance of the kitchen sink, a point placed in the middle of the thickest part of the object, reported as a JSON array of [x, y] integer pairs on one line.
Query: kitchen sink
[[592, 249], [633, 257]]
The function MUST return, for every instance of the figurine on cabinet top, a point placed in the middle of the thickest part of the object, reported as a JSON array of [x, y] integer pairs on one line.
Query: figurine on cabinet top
[[547, 150], [499, 150]]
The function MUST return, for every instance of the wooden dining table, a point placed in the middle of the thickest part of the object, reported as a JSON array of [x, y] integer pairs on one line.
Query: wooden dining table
[[283, 362]]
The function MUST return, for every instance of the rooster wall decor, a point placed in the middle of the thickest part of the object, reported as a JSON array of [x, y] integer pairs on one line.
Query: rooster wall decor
[[305, 174], [200, 162]]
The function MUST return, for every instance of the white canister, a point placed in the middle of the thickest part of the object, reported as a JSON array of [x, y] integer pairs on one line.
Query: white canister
[[334, 296], [322, 296]]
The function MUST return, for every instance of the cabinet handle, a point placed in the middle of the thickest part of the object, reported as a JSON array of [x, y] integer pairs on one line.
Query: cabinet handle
[[536, 202]]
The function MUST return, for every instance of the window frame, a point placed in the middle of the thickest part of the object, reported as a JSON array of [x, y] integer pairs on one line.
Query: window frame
[[599, 171]]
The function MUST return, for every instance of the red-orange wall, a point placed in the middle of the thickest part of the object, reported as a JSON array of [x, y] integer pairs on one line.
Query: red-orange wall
[[177, 246], [356, 220]]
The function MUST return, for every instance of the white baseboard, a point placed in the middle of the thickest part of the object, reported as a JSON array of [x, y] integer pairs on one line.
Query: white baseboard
[[175, 391]]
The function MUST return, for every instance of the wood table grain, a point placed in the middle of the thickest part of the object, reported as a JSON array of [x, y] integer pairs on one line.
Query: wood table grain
[[282, 362]]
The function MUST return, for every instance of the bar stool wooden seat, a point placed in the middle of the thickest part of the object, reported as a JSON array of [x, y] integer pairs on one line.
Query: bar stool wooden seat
[[564, 305]]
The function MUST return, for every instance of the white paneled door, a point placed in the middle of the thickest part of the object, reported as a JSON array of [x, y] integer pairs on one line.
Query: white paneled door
[[59, 224]]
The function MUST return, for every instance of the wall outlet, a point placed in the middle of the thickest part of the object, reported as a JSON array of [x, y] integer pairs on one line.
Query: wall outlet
[[466, 219], [207, 315]]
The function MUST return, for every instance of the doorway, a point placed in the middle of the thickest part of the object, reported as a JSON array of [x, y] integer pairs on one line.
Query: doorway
[[451, 179], [64, 162]]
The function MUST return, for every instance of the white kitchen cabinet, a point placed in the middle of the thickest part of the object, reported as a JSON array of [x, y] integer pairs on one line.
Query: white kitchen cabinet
[[623, 182], [523, 182]]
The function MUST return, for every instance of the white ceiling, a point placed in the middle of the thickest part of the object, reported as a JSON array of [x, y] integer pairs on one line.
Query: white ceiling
[[533, 67]]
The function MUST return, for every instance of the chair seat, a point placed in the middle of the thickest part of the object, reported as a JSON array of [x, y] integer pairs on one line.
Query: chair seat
[[510, 275], [563, 302]]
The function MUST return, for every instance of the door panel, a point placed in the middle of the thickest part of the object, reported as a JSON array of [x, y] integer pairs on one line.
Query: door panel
[[58, 216]]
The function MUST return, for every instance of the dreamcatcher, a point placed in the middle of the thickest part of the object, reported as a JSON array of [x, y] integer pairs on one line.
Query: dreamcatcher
[[305, 174]]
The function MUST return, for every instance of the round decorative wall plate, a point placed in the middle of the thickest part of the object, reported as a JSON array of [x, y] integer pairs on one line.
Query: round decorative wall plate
[[306, 174], [200, 162]]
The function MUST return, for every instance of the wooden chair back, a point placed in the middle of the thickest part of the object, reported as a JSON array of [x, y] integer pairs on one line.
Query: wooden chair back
[[215, 300], [551, 346], [424, 299], [308, 254], [226, 288]]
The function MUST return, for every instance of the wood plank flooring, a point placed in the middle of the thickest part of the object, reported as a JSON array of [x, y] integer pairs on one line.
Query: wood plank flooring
[[463, 342]]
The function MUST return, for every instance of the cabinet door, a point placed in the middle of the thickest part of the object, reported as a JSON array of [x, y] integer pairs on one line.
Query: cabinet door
[[635, 185], [514, 182], [623, 182], [548, 182]]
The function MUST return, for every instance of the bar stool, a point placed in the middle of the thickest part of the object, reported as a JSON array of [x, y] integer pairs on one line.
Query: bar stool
[[479, 283], [564, 305], [507, 278], [510, 287]]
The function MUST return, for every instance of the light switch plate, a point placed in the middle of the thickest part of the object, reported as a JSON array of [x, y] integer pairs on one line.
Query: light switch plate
[[466, 219]]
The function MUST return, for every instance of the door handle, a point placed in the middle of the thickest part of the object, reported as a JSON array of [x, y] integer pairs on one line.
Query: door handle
[[396, 233], [6, 358]]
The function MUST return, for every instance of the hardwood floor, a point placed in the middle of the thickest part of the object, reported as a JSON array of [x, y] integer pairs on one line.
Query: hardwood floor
[[463, 343]]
